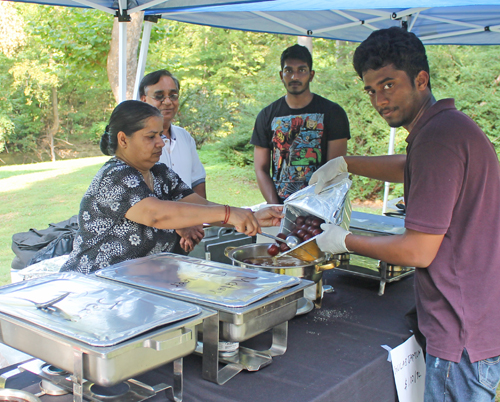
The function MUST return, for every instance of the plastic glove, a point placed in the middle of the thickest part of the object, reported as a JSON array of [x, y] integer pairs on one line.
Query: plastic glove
[[327, 173], [332, 240]]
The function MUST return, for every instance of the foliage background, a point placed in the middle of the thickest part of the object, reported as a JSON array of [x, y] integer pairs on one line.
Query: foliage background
[[226, 78]]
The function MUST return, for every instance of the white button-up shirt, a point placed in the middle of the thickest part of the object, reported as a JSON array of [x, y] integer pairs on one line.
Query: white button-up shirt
[[179, 154]]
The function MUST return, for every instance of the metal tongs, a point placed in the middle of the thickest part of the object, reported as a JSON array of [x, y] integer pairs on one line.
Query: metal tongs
[[46, 305]]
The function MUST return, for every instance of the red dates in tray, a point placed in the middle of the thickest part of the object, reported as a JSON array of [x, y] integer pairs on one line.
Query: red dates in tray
[[306, 227]]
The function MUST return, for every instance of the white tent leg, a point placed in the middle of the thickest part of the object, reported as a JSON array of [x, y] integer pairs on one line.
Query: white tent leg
[[143, 55], [122, 62], [306, 41], [387, 184]]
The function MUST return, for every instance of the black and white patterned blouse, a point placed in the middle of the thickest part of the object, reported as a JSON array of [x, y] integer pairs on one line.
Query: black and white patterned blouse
[[105, 237]]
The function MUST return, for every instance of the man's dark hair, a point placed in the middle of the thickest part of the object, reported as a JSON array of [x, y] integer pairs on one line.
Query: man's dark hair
[[129, 116], [153, 78], [298, 52], [392, 46]]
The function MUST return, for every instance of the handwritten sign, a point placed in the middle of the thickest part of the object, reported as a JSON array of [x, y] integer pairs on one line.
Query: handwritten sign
[[408, 365]]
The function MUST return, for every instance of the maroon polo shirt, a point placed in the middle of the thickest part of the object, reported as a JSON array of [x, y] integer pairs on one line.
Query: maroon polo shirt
[[452, 187]]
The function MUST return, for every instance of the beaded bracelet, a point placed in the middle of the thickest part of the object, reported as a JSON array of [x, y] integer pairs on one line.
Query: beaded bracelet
[[228, 213]]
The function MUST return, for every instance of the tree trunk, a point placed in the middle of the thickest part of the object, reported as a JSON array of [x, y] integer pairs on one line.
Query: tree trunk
[[133, 36], [55, 125]]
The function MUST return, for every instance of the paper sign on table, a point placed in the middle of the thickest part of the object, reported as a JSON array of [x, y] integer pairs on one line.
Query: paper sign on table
[[408, 365]]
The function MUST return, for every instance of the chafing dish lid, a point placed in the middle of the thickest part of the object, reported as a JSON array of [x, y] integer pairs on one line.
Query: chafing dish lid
[[195, 280], [96, 312], [377, 223]]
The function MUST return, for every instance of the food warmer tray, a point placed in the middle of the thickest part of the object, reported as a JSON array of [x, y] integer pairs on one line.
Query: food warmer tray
[[102, 332], [375, 225], [248, 302]]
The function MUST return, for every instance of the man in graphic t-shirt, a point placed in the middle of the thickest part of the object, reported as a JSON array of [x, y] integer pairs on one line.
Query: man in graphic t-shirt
[[298, 133]]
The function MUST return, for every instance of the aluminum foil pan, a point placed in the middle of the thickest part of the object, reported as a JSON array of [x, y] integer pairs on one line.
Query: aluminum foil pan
[[96, 312], [199, 280]]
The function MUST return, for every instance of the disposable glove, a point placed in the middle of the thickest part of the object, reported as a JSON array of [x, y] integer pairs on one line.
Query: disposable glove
[[332, 240], [326, 173]]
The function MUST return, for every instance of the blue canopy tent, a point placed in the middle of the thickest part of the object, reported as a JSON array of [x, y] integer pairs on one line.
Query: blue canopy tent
[[446, 22]]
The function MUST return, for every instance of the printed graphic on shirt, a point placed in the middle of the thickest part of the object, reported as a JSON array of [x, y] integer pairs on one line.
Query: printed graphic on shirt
[[296, 150]]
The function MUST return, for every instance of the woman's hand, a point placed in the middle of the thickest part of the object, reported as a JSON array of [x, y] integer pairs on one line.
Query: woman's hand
[[270, 216], [244, 221]]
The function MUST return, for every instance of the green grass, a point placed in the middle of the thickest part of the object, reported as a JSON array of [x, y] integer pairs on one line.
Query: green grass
[[37, 195]]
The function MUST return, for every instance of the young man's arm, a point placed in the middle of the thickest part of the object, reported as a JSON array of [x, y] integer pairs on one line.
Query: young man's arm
[[262, 165], [411, 249], [336, 148], [386, 168]]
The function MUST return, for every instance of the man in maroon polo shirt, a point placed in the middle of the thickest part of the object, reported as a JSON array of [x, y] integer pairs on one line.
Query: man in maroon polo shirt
[[451, 179]]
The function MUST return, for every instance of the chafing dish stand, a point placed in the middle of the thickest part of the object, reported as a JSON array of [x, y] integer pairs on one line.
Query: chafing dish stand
[[374, 225], [98, 333], [172, 275]]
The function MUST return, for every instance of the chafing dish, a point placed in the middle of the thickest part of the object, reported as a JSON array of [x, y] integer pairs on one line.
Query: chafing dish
[[100, 332], [15, 395], [375, 225], [248, 302]]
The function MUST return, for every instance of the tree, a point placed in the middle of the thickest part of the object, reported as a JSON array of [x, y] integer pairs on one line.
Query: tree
[[61, 59], [133, 36]]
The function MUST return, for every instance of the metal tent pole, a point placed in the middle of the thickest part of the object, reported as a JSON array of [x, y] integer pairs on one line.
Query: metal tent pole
[[387, 184], [123, 18], [149, 20]]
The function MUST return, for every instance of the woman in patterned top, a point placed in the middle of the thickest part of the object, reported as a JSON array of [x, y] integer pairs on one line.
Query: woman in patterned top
[[134, 204]]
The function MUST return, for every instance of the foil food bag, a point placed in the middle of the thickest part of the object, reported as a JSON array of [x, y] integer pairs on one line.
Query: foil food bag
[[332, 204]]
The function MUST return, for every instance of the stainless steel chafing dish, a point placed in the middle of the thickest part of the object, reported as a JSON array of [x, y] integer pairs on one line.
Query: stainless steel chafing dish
[[248, 302], [375, 225], [99, 331]]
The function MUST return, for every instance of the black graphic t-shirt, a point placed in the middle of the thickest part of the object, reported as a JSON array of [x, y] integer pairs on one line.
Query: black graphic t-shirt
[[105, 237], [298, 139]]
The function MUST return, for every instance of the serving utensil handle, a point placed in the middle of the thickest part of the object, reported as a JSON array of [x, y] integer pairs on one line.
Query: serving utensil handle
[[168, 343]]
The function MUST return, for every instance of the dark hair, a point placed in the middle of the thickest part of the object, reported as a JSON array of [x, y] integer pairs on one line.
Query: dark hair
[[298, 52], [392, 46], [129, 117], [153, 78]]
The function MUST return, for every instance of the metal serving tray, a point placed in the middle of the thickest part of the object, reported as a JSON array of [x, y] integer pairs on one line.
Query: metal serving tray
[[375, 225], [105, 365], [234, 324], [90, 310], [198, 281]]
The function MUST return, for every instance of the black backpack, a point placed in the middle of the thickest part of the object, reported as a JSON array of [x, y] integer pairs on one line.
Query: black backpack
[[38, 245]]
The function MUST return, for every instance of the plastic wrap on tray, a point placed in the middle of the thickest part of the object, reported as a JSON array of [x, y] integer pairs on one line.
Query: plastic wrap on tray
[[331, 204]]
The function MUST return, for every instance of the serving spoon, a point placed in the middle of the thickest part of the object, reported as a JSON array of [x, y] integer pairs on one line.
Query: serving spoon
[[291, 241]]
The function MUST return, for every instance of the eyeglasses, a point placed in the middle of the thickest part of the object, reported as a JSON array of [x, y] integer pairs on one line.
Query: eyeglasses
[[161, 98]]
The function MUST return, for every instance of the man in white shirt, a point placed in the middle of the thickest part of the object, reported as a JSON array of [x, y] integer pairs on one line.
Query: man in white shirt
[[161, 89]]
